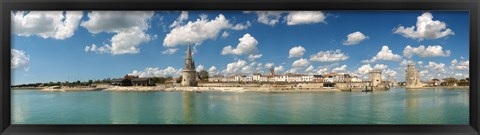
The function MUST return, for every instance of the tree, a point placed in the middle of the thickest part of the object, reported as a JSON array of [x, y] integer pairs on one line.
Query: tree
[[450, 81], [159, 79], [169, 78], [463, 82], [179, 79], [90, 82], [203, 75]]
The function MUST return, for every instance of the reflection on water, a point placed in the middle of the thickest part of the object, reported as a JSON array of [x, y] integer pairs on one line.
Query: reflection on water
[[188, 105], [396, 106], [124, 108], [412, 104]]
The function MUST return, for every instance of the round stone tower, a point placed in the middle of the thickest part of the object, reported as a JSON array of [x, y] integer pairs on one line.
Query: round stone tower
[[412, 77], [189, 74]]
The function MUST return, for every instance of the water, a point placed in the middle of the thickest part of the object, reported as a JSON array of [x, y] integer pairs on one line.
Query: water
[[396, 106]]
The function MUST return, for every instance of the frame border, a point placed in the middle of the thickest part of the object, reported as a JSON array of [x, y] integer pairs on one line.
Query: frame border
[[5, 95]]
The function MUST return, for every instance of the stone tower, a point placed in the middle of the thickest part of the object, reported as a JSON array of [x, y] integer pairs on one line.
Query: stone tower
[[412, 77], [376, 77], [272, 71], [189, 74]]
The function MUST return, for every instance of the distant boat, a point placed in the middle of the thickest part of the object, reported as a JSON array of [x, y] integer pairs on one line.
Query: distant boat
[[198, 91]]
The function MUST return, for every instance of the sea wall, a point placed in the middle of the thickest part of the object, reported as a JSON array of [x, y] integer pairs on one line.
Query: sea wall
[[352, 86], [360, 86], [271, 85]]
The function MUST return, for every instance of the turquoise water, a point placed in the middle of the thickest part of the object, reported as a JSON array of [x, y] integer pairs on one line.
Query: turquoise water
[[396, 106]]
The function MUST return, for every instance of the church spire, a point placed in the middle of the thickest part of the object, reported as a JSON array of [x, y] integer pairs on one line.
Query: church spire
[[189, 59], [189, 52]]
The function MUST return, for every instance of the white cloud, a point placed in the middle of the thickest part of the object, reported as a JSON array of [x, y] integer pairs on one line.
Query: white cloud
[[355, 38], [241, 26], [420, 62], [304, 17], [20, 59], [426, 27], [200, 68], [309, 69], [125, 42], [301, 63], [183, 16], [269, 65], [279, 69], [198, 31], [296, 51], [242, 67], [341, 68], [423, 72], [212, 70], [129, 26], [384, 54], [252, 57], [247, 46], [46, 24], [225, 34], [117, 21], [430, 51], [293, 70], [364, 69], [170, 51], [268, 17], [329, 56], [463, 65], [405, 62], [253, 67], [440, 67], [235, 66], [94, 48], [380, 67], [322, 70], [157, 72], [128, 42], [390, 73]]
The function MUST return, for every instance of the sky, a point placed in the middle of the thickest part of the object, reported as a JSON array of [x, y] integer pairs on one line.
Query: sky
[[51, 46]]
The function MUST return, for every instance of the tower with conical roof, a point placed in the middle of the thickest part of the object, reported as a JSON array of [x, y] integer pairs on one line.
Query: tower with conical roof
[[189, 73]]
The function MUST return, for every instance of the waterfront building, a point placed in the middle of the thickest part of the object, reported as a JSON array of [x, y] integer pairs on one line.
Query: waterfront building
[[189, 74], [256, 76], [130, 80], [412, 77], [215, 78], [434, 82], [288, 77], [317, 78]]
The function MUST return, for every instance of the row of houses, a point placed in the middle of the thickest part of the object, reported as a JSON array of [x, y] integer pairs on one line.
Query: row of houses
[[288, 77], [130, 80]]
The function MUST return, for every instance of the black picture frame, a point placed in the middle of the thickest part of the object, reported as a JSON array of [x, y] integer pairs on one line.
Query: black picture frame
[[5, 70]]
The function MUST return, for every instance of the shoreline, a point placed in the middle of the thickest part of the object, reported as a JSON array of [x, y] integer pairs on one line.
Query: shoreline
[[441, 87], [211, 89], [218, 89]]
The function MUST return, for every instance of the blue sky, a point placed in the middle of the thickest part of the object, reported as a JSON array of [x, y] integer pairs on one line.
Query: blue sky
[[68, 46]]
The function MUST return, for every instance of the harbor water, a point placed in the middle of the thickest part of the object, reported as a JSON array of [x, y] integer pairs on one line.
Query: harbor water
[[395, 106]]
